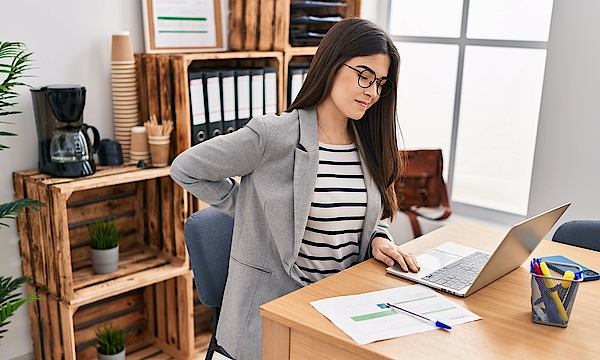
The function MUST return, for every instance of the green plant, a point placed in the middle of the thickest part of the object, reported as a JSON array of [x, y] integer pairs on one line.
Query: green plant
[[104, 234], [14, 61], [111, 340], [9, 303]]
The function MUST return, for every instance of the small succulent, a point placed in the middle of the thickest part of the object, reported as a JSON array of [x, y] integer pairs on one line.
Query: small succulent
[[111, 340], [104, 234]]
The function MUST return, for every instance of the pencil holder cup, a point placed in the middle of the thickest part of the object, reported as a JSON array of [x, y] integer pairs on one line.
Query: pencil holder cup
[[159, 149], [553, 294]]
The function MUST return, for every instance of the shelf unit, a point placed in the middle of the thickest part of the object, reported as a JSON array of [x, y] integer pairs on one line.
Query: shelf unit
[[264, 25], [149, 208]]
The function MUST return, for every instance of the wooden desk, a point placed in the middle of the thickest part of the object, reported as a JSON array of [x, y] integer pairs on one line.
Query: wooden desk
[[293, 329]]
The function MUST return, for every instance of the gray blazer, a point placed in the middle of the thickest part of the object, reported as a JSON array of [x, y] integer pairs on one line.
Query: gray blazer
[[277, 158]]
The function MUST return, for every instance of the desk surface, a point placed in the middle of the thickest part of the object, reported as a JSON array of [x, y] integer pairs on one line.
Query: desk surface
[[293, 329]]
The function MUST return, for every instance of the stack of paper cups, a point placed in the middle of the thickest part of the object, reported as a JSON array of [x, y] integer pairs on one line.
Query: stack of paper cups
[[159, 149], [139, 145], [124, 88]]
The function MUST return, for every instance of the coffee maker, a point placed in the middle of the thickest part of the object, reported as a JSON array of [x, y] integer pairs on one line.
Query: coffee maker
[[64, 148]]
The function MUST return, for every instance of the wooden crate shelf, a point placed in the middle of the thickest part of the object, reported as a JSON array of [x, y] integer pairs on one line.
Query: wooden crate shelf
[[159, 317], [54, 241]]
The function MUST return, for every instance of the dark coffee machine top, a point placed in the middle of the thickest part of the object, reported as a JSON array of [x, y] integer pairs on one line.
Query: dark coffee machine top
[[66, 101]]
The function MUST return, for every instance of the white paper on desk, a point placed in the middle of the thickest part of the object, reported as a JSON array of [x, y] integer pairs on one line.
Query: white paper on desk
[[365, 319]]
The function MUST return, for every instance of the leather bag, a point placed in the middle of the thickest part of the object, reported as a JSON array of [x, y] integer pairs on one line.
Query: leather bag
[[422, 185]]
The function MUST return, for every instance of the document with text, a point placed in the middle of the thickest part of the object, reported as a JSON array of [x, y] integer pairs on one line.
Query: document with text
[[366, 318]]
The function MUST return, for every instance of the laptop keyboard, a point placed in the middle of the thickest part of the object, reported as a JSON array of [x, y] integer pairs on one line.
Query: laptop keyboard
[[460, 273]]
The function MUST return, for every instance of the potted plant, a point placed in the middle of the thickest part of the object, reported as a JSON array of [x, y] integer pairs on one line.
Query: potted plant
[[14, 61], [104, 242], [111, 343]]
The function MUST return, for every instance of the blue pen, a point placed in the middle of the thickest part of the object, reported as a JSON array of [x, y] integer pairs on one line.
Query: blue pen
[[434, 322]]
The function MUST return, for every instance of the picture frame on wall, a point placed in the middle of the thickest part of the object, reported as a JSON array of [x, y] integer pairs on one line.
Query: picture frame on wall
[[184, 26]]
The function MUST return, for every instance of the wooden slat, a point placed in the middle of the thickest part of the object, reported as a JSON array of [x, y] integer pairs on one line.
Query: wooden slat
[[127, 320], [281, 25], [171, 305], [22, 224], [36, 245], [60, 232], [140, 211], [121, 303], [150, 298], [54, 315], [107, 191], [49, 243], [152, 85], [125, 283], [166, 96], [251, 24], [140, 72], [48, 339], [161, 314], [179, 217], [153, 213], [354, 7], [100, 210], [236, 24], [166, 201], [183, 127], [127, 175], [34, 316], [68, 336], [185, 313], [266, 30]]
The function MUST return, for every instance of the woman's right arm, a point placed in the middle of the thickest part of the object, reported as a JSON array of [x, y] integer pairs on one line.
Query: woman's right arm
[[207, 169]]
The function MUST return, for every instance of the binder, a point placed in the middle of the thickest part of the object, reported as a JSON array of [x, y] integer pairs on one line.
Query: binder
[[197, 108], [270, 90], [227, 78], [257, 97], [295, 81], [212, 89], [242, 97]]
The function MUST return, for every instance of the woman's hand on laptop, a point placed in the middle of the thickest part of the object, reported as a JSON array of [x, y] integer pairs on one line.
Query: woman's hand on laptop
[[389, 253]]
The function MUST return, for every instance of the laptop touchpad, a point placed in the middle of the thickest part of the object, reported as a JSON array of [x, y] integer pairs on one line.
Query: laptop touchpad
[[435, 259]]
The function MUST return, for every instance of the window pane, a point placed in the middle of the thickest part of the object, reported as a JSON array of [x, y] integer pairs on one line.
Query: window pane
[[434, 18], [426, 93], [499, 111], [527, 20]]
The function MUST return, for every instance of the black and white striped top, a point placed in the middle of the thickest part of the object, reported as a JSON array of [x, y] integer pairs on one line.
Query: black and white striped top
[[335, 221]]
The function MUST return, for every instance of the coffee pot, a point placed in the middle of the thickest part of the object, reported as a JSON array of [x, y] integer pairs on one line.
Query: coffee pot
[[64, 148]]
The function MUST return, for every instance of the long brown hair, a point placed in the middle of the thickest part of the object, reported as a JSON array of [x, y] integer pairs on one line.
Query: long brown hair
[[376, 130]]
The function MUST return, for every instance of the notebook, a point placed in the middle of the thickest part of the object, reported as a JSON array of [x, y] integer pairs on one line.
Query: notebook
[[462, 270]]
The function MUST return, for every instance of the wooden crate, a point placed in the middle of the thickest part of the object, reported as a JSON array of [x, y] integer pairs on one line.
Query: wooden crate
[[264, 24], [160, 317], [146, 205]]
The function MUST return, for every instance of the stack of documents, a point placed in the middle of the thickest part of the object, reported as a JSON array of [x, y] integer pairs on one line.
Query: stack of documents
[[366, 318]]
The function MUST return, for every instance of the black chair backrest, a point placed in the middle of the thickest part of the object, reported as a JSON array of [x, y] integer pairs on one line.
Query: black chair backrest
[[582, 233], [208, 234]]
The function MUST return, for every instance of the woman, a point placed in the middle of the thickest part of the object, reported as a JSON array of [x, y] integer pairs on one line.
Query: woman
[[315, 181]]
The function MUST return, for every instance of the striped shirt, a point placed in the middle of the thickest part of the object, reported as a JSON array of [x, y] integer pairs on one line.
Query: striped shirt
[[335, 221]]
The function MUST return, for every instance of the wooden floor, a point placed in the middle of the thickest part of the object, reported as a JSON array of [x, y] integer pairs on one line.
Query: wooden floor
[[150, 352]]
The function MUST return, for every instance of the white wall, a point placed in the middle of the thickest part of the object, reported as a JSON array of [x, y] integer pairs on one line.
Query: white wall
[[567, 155], [70, 41]]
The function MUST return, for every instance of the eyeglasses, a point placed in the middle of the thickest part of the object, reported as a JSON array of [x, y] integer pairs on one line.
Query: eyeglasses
[[366, 78]]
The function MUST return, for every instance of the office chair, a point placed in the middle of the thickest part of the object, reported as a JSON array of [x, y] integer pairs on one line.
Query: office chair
[[208, 234], [582, 233]]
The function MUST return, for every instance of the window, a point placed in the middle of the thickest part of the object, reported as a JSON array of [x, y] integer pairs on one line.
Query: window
[[471, 83]]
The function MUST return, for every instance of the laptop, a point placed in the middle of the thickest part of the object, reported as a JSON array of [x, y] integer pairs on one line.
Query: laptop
[[462, 270]]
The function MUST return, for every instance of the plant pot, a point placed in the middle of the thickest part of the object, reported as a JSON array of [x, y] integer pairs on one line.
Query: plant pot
[[105, 261], [118, 356]]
